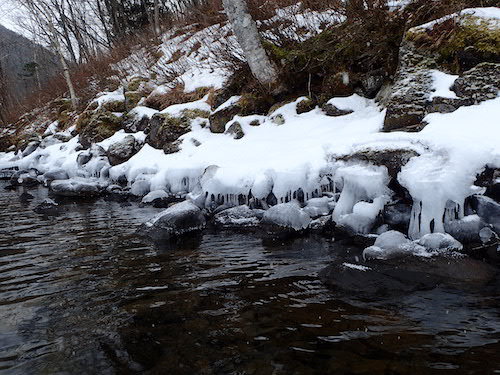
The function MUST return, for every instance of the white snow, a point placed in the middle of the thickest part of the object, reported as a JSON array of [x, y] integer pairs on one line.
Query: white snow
[[358, 267], [177, 109], [106, 97], [353, 102], [157, 194], [490, 15], [442, 83], [140, 112], [119, 136]]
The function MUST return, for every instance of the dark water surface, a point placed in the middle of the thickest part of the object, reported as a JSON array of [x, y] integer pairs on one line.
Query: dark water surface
[[81, 293]]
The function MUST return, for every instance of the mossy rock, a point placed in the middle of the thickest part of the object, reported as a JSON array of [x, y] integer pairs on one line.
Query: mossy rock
[[97, 127], [166, 129], [306, 105], [195, 113], [114, 106], [459, 46], [132, 98], [135, 83], [62, 104]]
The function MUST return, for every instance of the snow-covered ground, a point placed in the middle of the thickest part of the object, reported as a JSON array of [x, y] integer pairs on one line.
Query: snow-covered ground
[[301, 152]]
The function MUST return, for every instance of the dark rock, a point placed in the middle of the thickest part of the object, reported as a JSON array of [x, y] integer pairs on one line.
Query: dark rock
[[235, 130], [371, 84], [25, 178], [398, 216], [122, 151], [47, 207], [219, 119], [305, 105], [407, 275], [331, 110], [166, 129], [179, 219], [26, 197], [83, 158], [479, 83], [6, 174], [30, 148], [77, 188]]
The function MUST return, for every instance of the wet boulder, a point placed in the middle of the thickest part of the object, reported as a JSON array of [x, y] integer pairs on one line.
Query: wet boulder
[[75, 188], [405, 275], [47, 207], [178, 219], [28, 178], [123, 150], [487, 209], [237, 217], [286, 217], [157, 198]]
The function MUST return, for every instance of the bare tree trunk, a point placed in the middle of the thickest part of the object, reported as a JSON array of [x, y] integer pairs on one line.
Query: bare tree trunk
[[246, 32], [157, 18]]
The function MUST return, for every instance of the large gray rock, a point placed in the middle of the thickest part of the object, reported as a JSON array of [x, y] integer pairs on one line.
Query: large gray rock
[[488, 210], [405, 275], [479, 83], [77, 188], [179, 219], [122, 151], [286, 216]]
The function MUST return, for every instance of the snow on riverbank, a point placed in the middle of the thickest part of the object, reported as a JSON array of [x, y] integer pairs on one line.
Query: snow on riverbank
[[299, 153]]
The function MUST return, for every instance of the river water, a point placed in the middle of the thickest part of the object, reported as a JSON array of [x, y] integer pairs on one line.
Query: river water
[[82, 293]]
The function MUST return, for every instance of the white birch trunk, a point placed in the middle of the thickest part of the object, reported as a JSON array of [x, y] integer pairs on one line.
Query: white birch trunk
[[245, 30]]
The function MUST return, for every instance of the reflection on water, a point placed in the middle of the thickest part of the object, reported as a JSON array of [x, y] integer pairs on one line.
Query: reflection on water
[[82, 293]]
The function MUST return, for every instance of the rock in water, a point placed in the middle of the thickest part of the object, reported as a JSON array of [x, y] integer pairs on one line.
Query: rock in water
[[286, 216], [179, 219], [75, 188], [237, 217], [47, 207], [157, 198]]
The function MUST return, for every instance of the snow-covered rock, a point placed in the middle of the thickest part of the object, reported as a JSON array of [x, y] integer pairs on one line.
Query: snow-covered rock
[[317, 207], [440, 241], [75, 187], [393, 244], [237, 217], [286, 216]]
